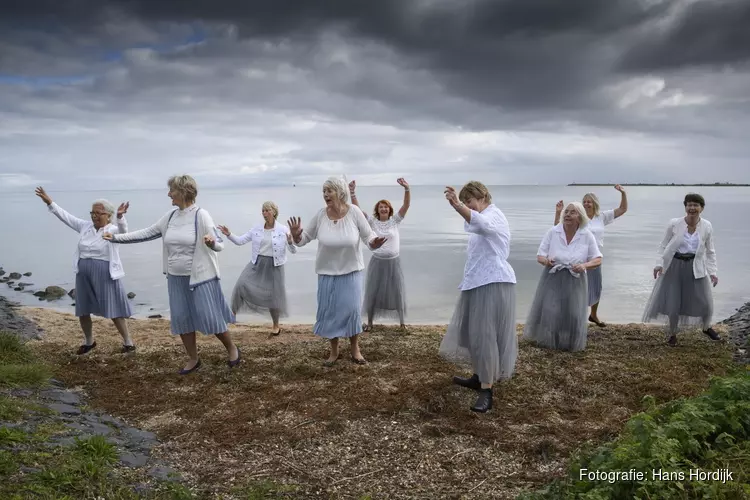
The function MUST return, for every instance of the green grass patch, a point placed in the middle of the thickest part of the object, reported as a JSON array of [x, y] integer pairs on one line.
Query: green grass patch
[[12, 351], [10, 436], [707, 433], [18, 367]]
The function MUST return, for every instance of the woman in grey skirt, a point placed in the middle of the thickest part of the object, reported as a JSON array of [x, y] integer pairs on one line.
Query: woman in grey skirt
[[385, 293], [482, 331], [339, 227], [98, 269], [261, 287], [597, 221], [557, 318], [685, 272], [189, 245]]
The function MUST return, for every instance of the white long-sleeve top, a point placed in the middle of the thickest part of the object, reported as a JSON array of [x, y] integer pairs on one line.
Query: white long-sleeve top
[[279, 244], [488, 249], [91, 245], [205, 262], [180, 240], [597, 223], [582, 248], [339, 251], [705, 255]]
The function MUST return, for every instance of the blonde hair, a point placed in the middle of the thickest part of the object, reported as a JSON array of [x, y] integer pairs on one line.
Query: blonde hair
[[594, 201], [377, 205], [583, 219], [476, 190], [269, 205], [337, 186], [185, 186]]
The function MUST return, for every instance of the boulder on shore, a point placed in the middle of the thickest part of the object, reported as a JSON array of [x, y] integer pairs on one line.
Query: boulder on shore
[[131, 295], [54, 292], [14, 276], [27, 273], [72, 293]]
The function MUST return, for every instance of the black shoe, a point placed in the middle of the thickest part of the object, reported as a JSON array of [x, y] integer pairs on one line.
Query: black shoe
[[471, 383], [85, 348], [191, 370], [712, 334], [484, 401], [672, 341], [127, 348]]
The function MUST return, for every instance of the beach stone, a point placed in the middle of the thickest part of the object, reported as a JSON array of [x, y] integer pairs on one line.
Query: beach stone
[[4, 279], [28, 273], [155, 316], [163, 473], [64, 441], [138, 435], [41, 294], [54, 292], [61, 396], [21, 393], [109, 419], [133, 459], [56, 383], [15, 276], [2, 271], [23, 283], [64, 409], [72, 293], [131, 295], [18, 289]]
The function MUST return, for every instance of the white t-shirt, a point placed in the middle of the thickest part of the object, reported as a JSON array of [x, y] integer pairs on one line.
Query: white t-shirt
[[388, 229], [266, 245], [596, 225], [180, 242], [582, 247]]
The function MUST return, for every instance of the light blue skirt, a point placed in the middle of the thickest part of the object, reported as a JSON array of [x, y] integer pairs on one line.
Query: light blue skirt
[[594, 277], [97, 293], [339, 302], [202, 309]]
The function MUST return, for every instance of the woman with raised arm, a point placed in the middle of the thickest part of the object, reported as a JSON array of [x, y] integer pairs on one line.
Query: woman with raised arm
[[189, 245], [385, 293], [557, 318], [339, 227], [98, 269], [482, 330], [597, 221], [685, 272], [261, 286]]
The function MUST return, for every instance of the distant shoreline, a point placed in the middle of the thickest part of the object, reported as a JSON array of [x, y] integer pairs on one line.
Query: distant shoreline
[[673, 184]]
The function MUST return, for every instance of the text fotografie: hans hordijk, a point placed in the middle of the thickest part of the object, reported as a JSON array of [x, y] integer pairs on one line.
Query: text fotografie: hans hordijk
[[722, 475]]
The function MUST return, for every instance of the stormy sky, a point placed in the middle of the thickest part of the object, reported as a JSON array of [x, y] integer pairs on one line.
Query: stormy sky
[[123, 93]]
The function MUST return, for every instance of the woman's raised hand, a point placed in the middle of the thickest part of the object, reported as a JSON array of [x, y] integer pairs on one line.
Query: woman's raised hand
[[225, 230], [40, 192]]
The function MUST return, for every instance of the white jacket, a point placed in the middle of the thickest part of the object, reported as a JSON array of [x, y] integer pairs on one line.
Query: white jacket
[[79, 225], [705, 258], [205, 261], [279, 242]]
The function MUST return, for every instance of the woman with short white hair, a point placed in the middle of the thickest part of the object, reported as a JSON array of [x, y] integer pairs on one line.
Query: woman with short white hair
[[557, 318], [338, 227], [189, 246], [261, 286], [98, 269]]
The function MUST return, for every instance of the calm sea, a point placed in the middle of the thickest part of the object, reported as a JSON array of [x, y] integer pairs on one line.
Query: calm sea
[[433, 244]]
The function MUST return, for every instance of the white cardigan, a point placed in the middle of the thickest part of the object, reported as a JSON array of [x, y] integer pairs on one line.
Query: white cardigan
[[279, 242], [705, 258], [79, 225], [205, 261]]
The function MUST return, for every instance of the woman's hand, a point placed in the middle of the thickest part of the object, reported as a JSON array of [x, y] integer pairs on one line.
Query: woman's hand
[[714, 280], [545, 261], [224, 230], [578, 268], [620, 188], [40, 192], [658, 271], [107, 236], [403, 182], [122, 209], [209, 241], [559, 207], [289, 238], [377, 242], [295, 228], [352, 186], [450, 195]]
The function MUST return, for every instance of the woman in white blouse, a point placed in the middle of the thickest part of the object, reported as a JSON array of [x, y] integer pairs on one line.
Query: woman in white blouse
[[189, 245], [685, 272], [98, 269], [385, 293], [597, 221], [261, 286], [482, 331], [557, 318], [339, 227]]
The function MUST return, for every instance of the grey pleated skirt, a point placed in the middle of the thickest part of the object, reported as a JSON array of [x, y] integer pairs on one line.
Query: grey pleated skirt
[[679, 300], [260, 288], [482, 331], [202, 309], [558, 317], [385, 294], [97, 293], [594, 279], [339, 302]]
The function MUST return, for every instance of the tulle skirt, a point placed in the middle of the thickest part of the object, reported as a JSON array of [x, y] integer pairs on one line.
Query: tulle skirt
[[385, 295]]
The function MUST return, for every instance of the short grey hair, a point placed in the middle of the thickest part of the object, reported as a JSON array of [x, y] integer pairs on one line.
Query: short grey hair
[[594, 201], [269, 205], [582, 217], [108, 207], [185, 185], [337, 185]]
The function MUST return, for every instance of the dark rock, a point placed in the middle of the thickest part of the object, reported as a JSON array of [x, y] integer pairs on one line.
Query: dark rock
[[23, 283], [27, 273], [64, 441], [72, 293], [21, 393], [56, 383], [131, 295], [41, 294], [10, 284], [155, 316], [108, 419], [138, 435], [54, 292], [2, 271], [63, 408], [18, 289], [61, 396], [15, 276], [4, 279], [163, 473], [133, 459]]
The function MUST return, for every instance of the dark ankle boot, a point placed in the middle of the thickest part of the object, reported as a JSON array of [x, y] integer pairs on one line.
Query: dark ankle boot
[[471, 383], [484, 401]]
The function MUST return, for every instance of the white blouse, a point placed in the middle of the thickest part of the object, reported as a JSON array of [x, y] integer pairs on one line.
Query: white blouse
[[266, 245], [180, 241], [689, 243], [339, 251], [387, 229], [90, 244], [596, 225], [488, 249], [582, 248]]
